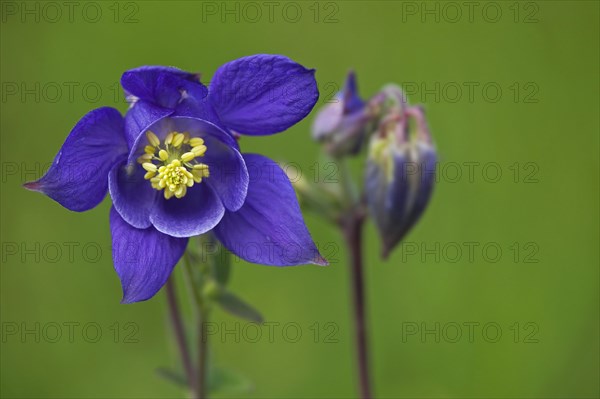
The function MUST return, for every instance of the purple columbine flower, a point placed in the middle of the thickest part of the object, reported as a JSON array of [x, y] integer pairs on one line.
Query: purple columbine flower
[[173, 168]]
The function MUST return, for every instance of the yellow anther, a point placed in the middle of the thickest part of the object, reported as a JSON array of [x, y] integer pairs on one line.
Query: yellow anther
[[152, 138], [180, 192], [144, 158], [150, 167], [163, 155], [186, 138], [188, 156], [199, 174], [168, 194], [178, 139], [200, 166], [149, 149], [196, 141], [149, 175], [199, 150], [169, 138]]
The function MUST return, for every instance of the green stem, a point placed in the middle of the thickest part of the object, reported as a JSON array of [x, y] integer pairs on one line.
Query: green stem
[[199, 387], [179, 330], [351, 225], [352, 230]]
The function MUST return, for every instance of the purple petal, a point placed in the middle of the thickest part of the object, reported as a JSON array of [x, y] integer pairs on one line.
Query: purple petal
[[228, 173], [132, 196], [163, 86], [140, 116], [196, 127], [269, 228], [195, 104], [263, 94], [421, 196], [350, 97], [328, 119], [347, 107], [202, 127], [161, 91], [143, 258], [196, 213], [78, 177]]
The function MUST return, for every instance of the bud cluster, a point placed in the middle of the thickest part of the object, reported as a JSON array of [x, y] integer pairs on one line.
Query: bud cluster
[[395, 139]]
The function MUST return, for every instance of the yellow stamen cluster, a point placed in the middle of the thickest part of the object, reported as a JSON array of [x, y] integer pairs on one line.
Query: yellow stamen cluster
[[172, 166]]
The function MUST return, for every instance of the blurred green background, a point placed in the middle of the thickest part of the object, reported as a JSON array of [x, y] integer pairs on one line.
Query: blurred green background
[[544, 58]]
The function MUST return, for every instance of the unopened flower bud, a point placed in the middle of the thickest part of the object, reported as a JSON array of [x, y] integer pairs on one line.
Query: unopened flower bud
[[343, 124], [400, 174], [320, 198]]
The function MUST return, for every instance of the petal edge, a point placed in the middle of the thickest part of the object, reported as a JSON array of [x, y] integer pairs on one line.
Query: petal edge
[[78, 176], [269, 228], [143, 258], [263, 94]]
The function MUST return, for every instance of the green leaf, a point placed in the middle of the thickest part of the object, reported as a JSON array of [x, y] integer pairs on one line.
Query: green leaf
[[227, 381], [172, 376], [236, 306], [222, 265]]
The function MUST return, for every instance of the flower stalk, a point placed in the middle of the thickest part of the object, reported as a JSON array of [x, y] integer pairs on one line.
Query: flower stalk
[[352, 229], [195, 280], [179, 330]]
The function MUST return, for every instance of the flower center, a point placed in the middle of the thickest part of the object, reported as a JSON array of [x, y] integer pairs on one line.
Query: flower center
[[172, 165]]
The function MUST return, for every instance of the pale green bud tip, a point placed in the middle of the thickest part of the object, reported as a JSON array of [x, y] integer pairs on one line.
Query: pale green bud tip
[[212, 290]]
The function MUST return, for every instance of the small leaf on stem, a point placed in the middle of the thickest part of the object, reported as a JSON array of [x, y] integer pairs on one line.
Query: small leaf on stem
[[236, 306]]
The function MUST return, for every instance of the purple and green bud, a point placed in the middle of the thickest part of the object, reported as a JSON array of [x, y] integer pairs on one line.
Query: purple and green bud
[[400, 171], [343, 125]]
